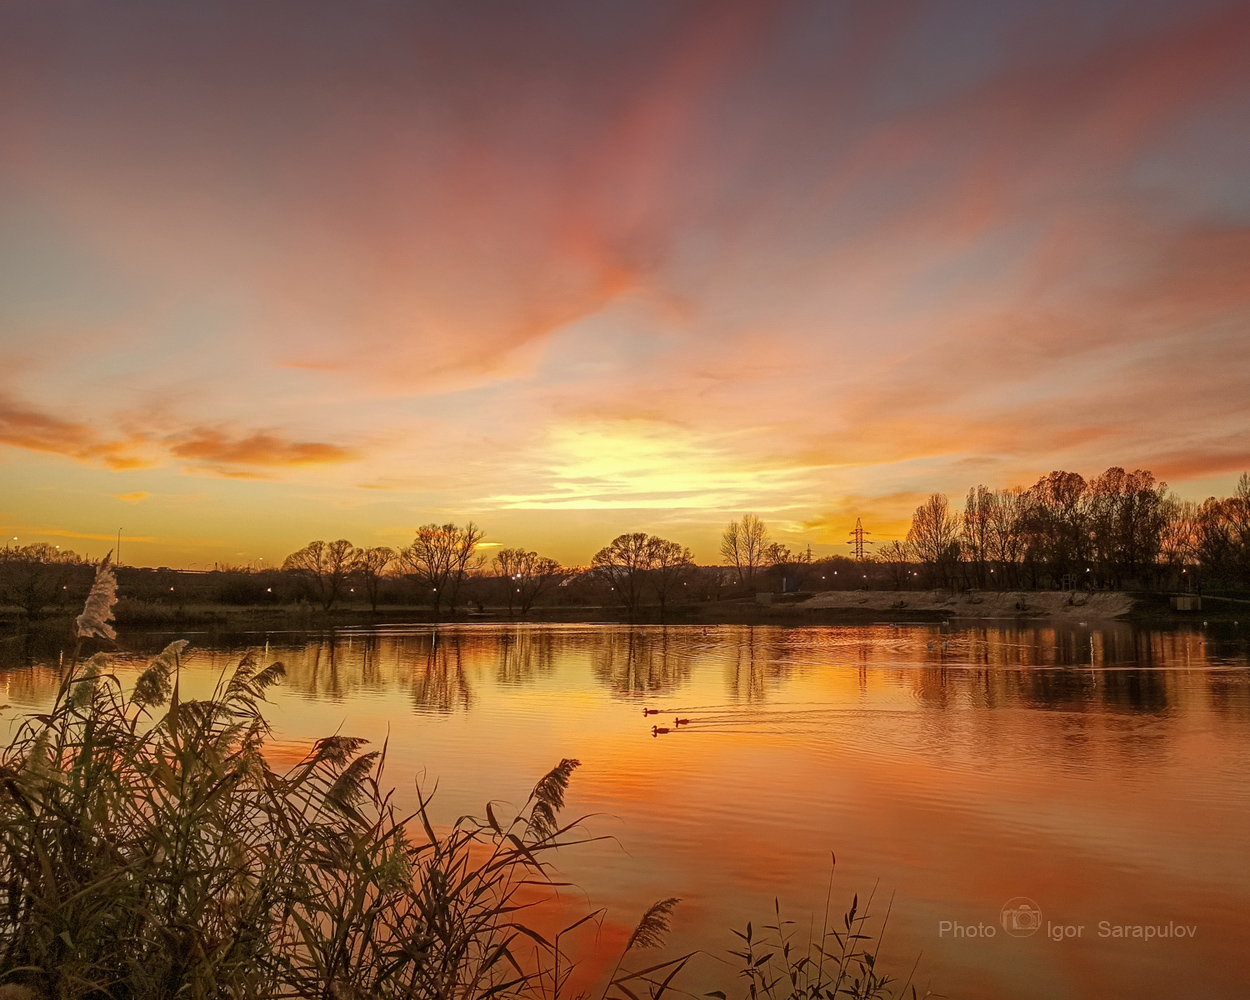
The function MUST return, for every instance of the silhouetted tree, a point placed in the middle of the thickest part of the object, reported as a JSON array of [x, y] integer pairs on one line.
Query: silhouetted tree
[[975, 533], [1127, 515], [1237, 512], [439, 558], [36, 577], [1179, 540], [1005, 539], [1215, 544], [791, 568], [323, 567], [508, 563], [934, 537], [1222, 536], [526, 575], [370, 566], [743, 546], [896, 557], [670, 567], [623, 563], [1055, 526]]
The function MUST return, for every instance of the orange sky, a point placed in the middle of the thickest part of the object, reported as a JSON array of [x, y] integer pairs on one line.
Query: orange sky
[[572, 269]]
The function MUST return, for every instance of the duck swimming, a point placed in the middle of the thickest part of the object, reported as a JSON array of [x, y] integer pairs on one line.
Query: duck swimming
[[681, 722], [650, 711], [658, 730]]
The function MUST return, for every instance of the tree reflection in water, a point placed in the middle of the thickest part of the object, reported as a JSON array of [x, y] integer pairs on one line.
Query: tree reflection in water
[[641, 661], [524, 654], [439, 681], [1107, 668]]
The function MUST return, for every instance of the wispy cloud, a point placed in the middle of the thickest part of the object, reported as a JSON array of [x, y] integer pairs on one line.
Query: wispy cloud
[[212, 449], [43, 530], [218, 449], [25, 427]]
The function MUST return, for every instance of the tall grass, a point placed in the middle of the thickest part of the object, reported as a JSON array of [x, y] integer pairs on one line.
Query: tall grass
[[148, 849], [782, 963]]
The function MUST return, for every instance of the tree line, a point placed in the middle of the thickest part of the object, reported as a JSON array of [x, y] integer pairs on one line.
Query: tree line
[[39, 577], [443, 558], [635, 569], [439, 559], [1118, 530]]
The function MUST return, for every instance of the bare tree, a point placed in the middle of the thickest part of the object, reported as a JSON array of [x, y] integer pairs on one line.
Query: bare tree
[[1179, 540], [1222, 542], [370, 566], [439, 558], [896, 557], [1004, 541], [1237, 513], [509, 564], [744, 545], [1055, 522], [670, 569], [36, 577], [791, 568], [975, 534], [623, 563], [934, 537], [324, 567], [775, 554], [1126, 517], [526, 575]]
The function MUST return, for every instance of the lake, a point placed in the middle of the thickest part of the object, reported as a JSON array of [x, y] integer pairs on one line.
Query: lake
[[1100, 773]]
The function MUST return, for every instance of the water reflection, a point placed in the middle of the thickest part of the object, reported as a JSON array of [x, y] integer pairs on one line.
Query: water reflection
[[640, 661], [1103, 770], [440, 676], [1109, 668], [524, 655]]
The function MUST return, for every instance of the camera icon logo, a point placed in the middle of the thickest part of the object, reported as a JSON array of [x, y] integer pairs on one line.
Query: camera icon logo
[[1021, 916]]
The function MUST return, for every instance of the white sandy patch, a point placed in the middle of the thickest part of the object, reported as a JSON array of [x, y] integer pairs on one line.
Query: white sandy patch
[[982, 603]]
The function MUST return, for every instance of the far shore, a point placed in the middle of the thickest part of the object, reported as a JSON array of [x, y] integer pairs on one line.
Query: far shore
[[853, 607]]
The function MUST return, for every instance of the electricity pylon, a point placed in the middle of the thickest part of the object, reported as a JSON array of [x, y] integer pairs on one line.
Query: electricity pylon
[[857, 538]]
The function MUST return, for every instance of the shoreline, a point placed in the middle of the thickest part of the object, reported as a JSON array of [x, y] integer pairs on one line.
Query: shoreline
[[1021, 608]]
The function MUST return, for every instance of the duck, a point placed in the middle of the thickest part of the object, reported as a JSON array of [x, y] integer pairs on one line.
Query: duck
[[658, 730], [650, 711], [681, 722]]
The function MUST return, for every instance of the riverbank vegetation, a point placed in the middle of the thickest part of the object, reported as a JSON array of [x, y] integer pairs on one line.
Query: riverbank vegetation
[[150, 849]]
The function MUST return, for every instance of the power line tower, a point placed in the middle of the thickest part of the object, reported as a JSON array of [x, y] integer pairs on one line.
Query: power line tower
[[857, 539]]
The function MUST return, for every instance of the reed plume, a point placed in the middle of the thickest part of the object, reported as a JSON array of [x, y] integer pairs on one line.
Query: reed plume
[[547, 798], [654, 925], [98, 612]]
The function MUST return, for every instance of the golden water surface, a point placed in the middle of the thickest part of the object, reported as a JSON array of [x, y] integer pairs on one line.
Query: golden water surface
[[1101, 772]]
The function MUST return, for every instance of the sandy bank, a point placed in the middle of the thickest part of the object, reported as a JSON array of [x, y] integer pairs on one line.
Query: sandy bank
[[981, 604]]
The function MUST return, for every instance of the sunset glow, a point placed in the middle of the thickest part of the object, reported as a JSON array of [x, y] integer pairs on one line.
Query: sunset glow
[[274, 272]]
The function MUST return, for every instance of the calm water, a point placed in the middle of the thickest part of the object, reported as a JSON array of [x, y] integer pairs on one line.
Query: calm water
[[1103, 773]]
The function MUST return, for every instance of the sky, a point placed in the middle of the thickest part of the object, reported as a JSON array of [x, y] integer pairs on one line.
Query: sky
[[283, 271]]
